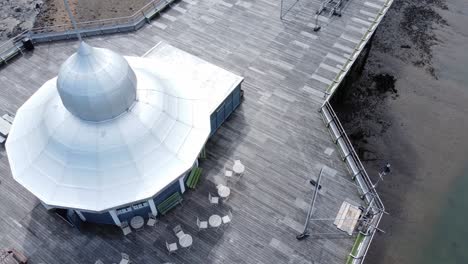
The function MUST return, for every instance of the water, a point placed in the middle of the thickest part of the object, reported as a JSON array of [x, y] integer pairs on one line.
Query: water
[[419, 124], [449, 241]]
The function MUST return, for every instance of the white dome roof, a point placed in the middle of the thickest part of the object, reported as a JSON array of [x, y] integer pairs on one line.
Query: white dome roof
[[94, 166], [96, 84]]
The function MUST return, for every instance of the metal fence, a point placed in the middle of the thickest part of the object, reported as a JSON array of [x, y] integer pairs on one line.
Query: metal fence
[[13, 46], [359, 174], [357, 50], [349, 155]]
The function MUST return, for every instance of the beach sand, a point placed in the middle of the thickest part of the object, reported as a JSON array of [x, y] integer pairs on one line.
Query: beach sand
[[409, 108]]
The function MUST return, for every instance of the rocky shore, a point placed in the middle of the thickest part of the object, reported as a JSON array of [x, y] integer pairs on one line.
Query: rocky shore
[[17, 16]]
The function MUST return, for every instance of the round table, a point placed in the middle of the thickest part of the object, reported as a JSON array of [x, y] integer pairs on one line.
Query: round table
[[238, 168], [185, 240], [223, 191], [215, 220], [137, 222]]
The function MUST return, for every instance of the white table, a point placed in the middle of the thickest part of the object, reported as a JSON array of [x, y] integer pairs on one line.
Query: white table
[[223, 191], [215, 220], [137, 222], [238, 167], [185, 240]]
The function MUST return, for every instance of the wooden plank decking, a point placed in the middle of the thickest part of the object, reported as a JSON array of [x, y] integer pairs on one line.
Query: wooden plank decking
[[277, 133]]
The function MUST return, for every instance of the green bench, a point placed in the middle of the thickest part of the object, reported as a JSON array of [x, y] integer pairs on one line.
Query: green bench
[[193, 178], [354, 250], [202, 154], [171, 202]]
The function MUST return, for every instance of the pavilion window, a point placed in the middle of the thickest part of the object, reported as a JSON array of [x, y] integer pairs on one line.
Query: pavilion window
[[124, 210]]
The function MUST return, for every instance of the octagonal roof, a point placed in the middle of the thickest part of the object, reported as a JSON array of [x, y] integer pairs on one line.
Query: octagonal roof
[[69, 162]]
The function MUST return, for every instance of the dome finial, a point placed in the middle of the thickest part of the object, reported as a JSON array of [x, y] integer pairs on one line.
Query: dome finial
[[84, 49]]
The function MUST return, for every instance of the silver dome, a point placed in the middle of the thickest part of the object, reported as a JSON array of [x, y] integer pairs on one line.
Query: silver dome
[[96, 84]]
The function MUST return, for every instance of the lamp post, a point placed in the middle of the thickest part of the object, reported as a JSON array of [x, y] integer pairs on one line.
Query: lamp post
[[317, 185], [385, 170]]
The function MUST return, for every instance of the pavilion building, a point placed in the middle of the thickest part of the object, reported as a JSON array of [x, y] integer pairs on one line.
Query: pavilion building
[[112, 137]]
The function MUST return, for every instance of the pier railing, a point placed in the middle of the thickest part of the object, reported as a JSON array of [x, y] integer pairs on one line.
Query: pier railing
[[14, 46], [359, 174], [357, 50]]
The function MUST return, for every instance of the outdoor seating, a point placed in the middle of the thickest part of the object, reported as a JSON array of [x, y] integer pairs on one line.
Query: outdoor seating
[[125, 259], [238, 168], [9, 118], [201, 224], [227, 218], [194, 178], [202, 154], [223, 191], [5, 127], [151, 220], [185, 241], [228, 173], [172, 248], [178, 231], [125, 228], [170, 202], [137, 222], [213, 199], [215, 221]]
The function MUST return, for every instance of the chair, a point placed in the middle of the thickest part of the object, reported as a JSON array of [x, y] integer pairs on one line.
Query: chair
[[125, 259], [201, 224], [178, 231], [213, 199], [227, 218], [5, 127], [9, 118], [151, 220], [228, 173], [172, 248], [125, 228]]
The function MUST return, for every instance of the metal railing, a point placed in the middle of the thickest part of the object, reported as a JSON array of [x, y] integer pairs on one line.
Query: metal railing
[[13, 46], [357, 50], [359, 174]]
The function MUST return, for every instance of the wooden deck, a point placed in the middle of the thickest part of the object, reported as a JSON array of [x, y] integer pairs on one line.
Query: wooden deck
[[277, 133]]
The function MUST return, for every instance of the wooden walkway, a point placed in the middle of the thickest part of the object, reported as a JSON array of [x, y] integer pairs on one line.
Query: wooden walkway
[[277, 133]]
